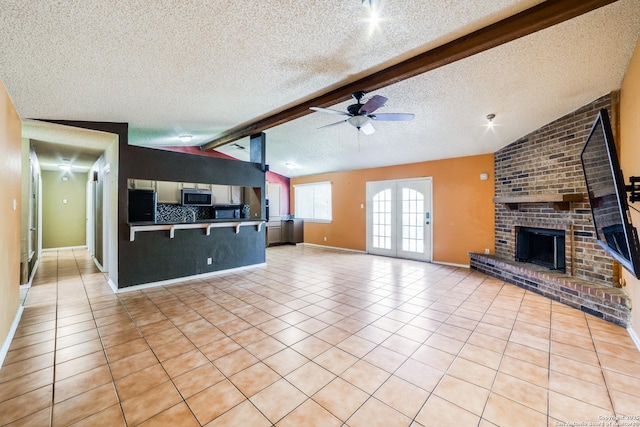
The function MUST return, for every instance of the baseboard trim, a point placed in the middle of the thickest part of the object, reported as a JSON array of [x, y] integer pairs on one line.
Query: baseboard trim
[[100, 267], [64, 248], [634, 337], [451, 264], [32, 275], [12, 331], [182, 279], [335, 248], [112, 285]]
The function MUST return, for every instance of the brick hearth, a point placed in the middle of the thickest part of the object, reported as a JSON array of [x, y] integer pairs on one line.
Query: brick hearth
[[605, 302]]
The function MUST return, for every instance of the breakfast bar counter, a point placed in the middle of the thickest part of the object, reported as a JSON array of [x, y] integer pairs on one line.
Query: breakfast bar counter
[[207, 225]]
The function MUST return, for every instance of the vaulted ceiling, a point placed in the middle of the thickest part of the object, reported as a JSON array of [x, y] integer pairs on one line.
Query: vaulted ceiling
[[171, 68]]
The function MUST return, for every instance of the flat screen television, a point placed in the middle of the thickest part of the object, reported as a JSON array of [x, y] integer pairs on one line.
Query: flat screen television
[[608, 196]]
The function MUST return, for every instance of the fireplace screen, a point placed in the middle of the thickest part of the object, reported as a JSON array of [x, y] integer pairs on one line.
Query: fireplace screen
[[541, 246]]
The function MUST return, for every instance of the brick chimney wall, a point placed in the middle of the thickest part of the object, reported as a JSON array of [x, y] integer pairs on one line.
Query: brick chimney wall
[[547, 161]]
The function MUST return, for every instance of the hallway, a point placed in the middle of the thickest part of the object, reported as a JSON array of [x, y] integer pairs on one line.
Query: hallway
[[316, 337]]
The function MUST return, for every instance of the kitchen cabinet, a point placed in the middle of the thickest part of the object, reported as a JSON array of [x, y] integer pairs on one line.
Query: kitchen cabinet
[[236, 194], [273, 194], [221, 194], [142, 184], [292, 231], [274, 233], [168, 192]]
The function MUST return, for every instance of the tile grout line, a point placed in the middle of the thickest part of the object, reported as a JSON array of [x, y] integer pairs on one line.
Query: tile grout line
[[602, 369], [348, 289], [480, 418], [104, 350], [55, 342], [495, 378]]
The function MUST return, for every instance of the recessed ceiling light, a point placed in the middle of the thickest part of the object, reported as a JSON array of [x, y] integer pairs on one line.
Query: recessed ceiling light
[[290, 165], [185, 138], [374, 17]]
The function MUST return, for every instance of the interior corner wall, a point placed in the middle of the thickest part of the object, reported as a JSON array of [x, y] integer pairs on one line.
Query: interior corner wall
[[463, 210], [630, 159], [10, 202]]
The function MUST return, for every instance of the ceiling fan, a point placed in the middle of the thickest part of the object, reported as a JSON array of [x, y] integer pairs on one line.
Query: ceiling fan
[[360, 115]]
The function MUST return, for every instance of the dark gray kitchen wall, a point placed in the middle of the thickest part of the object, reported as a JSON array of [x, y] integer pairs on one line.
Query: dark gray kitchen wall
[[153, 256]]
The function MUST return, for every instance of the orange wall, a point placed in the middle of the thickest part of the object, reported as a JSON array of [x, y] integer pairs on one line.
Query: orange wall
[[463, 213], [630, 157], [10, 181]]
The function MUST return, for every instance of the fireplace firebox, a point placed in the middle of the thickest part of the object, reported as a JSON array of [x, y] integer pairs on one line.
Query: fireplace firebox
[[541, 246]]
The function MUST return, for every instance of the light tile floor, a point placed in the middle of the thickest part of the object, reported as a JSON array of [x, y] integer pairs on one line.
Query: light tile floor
[[315, 338]]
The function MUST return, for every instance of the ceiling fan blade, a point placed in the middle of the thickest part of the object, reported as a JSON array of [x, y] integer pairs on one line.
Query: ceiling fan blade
[[392, 117], [373, 104], [329, 110], [332, 124], [367, 129]]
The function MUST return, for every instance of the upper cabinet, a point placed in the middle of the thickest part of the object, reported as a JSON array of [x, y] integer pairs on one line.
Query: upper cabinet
[[221, 194], [236, 194], [142, 184], [273, 194], [168, 192]]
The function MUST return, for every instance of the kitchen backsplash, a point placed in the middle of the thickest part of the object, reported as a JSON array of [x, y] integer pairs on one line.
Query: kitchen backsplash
[[179, 213]]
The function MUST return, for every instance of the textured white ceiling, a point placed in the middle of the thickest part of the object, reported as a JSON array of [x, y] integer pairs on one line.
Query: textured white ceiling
[[201, 67]]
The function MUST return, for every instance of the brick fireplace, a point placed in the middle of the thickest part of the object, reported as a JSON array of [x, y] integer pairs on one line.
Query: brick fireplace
[[542, 246], [539, 185]]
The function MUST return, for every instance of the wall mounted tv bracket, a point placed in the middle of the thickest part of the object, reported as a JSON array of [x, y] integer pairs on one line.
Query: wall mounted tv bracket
[[633, 189]]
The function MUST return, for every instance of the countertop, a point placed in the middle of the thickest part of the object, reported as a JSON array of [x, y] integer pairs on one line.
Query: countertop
[[206, 224], [199, 221]]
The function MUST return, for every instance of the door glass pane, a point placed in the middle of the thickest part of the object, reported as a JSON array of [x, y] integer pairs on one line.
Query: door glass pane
[[382, 220], [412, 220]]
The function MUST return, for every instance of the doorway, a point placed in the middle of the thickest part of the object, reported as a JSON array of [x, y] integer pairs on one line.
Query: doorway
[[399, 218]]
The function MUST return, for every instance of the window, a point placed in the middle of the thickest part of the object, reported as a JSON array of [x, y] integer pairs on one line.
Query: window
[[381, 232], [412, 224], [313, 201]]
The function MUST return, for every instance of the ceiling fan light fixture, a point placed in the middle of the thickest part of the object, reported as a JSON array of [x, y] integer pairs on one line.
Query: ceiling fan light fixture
[[360, 115], [358, 121], [185, 138]]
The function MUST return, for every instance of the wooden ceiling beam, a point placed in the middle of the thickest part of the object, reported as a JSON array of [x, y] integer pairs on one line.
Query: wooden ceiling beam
[[539, 17]]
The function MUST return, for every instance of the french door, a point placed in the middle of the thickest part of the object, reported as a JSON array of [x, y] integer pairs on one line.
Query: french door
[[399, 218]]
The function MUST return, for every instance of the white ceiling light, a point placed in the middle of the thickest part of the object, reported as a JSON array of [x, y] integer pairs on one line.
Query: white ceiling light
[[185, 138], [374, 15], [490, 118], [358, 121]]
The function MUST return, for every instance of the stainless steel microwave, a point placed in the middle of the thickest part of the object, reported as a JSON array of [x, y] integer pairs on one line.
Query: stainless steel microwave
[[194, 197]]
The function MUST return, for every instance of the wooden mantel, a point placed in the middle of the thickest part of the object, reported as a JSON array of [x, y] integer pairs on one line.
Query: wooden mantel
[[561, 202]]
